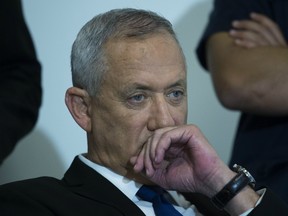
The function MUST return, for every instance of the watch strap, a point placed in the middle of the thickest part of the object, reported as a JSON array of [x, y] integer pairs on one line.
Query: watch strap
[[241, 180]]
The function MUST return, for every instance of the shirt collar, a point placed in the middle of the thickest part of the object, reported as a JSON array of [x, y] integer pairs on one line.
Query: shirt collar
[[125, 185]]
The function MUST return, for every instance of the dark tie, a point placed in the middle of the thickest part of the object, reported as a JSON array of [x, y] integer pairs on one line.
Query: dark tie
[[155, 195]]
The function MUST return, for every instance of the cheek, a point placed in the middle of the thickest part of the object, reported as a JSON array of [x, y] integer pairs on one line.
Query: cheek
[[136, 130], [185, 115], [180, 115], [129, 129]]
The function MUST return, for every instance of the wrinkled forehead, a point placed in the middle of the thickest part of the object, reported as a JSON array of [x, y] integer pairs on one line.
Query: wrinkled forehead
[[156, 62], [157, 50]]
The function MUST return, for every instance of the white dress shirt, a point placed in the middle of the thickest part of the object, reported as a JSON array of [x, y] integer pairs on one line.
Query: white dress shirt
[[130, 188]]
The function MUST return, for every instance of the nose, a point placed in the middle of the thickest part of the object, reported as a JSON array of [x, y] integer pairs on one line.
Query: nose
[[160, 115]]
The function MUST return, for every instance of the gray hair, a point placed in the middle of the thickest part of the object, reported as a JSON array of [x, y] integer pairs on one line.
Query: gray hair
[[88, 62]]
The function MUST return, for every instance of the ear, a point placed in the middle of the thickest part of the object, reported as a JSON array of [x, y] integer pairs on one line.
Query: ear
[[78, 102]]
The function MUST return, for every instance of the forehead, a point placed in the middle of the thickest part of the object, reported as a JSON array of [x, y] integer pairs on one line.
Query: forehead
[[157, 55]]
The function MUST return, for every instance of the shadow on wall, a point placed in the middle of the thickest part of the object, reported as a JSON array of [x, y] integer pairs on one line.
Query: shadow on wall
[[35, 148]]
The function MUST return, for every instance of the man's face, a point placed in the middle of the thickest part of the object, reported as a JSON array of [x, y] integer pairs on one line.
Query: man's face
[[143, 90]]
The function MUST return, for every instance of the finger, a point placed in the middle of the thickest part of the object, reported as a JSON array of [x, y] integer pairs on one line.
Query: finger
[[248, 38], [148, 158], [271, 26], [150, 152], [257, 29], [164, 143], [156, 148], [245, 44], [138, 161]]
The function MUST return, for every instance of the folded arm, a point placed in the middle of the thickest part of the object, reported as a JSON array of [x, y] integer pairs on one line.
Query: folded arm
[[249, 66]]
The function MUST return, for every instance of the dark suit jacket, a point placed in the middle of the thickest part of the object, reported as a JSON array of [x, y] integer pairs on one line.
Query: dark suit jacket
[[20, 87], [83, 191]]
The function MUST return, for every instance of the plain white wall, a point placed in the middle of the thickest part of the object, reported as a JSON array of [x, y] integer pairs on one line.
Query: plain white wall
[[56, 139]]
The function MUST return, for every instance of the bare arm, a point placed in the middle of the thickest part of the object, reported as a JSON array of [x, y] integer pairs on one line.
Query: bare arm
[[249, 67]]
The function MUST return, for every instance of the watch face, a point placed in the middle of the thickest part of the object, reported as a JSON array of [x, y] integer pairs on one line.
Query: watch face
[[239, 169]]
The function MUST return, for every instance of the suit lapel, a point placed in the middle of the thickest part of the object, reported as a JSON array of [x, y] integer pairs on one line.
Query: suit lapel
[[86, 182]]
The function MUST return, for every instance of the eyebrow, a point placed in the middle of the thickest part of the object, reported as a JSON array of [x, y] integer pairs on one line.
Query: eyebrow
[[180, 82], [141, 86]]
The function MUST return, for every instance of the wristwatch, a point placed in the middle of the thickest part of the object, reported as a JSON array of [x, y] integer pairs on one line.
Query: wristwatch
[[241, 180]]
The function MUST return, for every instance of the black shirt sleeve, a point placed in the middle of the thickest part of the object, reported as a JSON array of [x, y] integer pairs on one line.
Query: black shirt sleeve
[[221, 17]]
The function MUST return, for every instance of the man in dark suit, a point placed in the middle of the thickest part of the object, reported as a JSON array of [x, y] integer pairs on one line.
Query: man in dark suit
[[20, 94], [129, 95]]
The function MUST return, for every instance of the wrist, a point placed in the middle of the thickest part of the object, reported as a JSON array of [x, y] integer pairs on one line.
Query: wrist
[[246, 199], [219, 179], [241, 185]]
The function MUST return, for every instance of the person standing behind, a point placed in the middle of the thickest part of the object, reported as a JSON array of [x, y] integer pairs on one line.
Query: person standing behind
[[20, 78], [244, 47]]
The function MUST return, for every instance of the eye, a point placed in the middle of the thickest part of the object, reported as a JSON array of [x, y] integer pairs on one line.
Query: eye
[[136, 99], [176, 96]]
